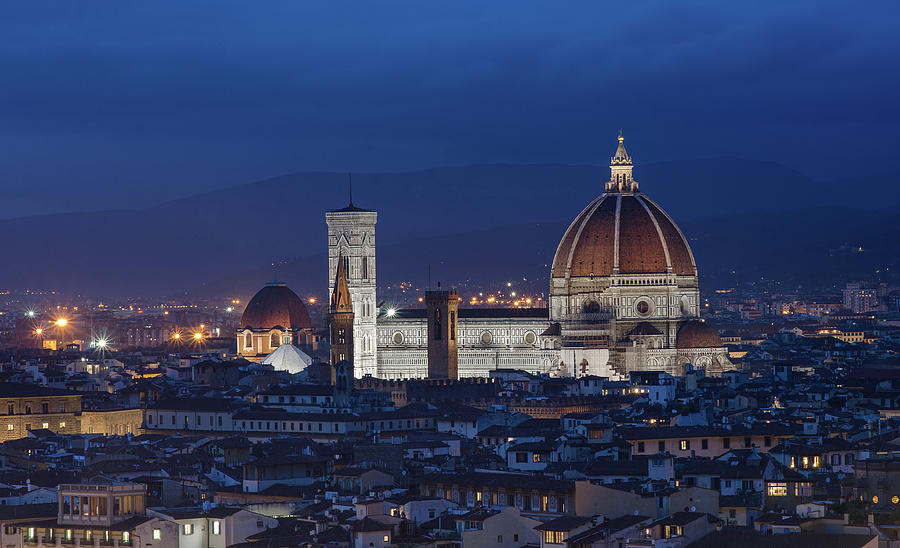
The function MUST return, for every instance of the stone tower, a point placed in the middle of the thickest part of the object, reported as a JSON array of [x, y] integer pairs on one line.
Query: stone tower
[[442, 311], [341, 319], [351, 239]]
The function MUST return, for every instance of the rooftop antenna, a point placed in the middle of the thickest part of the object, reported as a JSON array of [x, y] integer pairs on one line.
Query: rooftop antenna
[[429, 276]]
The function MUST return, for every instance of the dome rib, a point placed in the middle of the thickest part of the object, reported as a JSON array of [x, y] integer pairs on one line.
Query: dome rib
[[682, 256], [662, 237]]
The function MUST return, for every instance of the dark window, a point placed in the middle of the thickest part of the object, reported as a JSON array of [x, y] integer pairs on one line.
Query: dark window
[[662, 446], [704, 444], [45, 408], [767, 441], [521, 457], [437, 324], [640, 447], [726, 443], [747, 442]]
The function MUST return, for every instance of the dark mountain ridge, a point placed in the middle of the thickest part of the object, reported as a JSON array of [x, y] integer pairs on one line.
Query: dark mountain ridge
[[483, 220]]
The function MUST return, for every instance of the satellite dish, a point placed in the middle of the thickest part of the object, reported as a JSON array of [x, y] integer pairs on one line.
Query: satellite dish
[[693, 508]]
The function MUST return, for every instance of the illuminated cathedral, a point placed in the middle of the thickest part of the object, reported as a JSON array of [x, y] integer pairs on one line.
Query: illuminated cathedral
[[624, 296]]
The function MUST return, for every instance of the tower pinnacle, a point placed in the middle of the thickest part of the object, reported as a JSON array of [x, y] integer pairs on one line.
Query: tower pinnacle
[[620, 166]]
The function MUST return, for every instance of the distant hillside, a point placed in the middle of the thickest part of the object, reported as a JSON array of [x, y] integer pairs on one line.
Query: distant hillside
[[476, 221], [814, 247]]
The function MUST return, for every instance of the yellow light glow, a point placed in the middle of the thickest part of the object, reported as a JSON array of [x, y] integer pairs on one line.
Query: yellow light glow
[[198, 336], [176, 336], [312, 300], [38, 331], [62, 322]]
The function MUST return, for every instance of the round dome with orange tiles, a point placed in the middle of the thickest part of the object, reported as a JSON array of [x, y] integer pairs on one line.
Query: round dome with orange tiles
[[622, 232]]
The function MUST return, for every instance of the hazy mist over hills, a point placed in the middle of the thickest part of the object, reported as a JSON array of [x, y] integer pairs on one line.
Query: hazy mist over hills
[[483, 223]]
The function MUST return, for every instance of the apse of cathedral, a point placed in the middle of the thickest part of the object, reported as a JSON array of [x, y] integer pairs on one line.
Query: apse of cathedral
[[624, 296]]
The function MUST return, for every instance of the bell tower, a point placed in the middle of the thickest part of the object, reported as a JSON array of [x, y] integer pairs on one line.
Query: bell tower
[[351, 239]]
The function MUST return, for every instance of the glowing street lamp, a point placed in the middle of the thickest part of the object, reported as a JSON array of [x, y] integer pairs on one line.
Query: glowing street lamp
[[176, 336], [391, 312], [198, 336], [61, 322], [39, 331]]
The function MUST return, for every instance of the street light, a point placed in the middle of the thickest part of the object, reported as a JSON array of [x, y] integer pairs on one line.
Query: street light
[[61, 322]]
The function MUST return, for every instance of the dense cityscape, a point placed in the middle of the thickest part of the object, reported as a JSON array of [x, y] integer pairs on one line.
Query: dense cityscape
[[409, 275]]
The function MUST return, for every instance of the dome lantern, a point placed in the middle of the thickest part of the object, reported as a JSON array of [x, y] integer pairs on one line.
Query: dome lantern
[[620, 166]]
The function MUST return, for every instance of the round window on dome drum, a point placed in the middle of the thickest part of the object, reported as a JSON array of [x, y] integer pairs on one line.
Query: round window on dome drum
[[486, 337], [398, 338], [530, 337]]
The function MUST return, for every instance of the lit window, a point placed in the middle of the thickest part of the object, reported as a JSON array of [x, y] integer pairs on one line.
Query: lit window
[[157, 534], [684, 445], [217, 527], [188, 528], [10, 427], [126, 537], [45, 425], [777, 489], [62, 425]]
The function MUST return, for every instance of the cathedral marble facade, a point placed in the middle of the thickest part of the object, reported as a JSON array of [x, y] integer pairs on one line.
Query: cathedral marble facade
[[624, 296]]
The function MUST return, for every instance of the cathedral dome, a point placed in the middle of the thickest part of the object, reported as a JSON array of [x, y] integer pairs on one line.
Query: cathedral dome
[[275, 305], [622, 232], [697, 334]]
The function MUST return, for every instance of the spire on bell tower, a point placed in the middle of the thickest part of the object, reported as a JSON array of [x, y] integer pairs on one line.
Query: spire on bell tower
[[620, 167], [340, 299]]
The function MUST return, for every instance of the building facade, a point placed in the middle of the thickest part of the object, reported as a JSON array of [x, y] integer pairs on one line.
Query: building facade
[[624, 296], [351, 238]]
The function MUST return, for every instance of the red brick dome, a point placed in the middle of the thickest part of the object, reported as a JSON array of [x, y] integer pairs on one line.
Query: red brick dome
[[627, 231], [697, 334], [275, 305]]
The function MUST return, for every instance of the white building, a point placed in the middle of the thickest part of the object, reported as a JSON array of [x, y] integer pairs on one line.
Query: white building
[[351, 235], [623, 297]]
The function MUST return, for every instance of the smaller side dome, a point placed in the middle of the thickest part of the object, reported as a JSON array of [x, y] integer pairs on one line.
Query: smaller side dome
[[275, 305], [697, 334]]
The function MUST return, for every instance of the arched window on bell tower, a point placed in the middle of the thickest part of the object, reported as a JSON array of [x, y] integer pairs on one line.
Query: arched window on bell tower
[[275, 341]]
